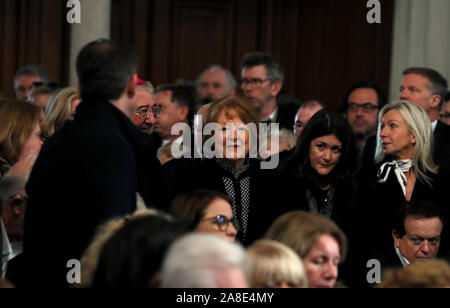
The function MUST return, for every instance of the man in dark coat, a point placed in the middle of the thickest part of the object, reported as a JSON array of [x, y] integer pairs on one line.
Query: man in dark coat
[[87, 172]]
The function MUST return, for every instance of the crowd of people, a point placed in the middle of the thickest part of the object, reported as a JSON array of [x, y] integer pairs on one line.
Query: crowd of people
[[219, 183]]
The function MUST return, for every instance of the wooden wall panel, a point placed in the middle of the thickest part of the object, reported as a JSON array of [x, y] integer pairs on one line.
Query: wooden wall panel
[[33, 32]]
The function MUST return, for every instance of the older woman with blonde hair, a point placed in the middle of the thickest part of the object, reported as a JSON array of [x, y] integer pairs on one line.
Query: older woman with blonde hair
[[19, 132], [271, 264], [60, 108], [317, 240], [404, 172]]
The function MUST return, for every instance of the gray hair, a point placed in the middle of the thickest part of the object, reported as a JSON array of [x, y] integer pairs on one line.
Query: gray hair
[[275, 71], [230, 78], [11, 185], [147, 86], [31, 70], [197, 260], [419, 125]]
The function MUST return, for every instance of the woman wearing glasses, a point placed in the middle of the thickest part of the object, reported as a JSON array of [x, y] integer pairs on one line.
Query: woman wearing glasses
[[206, 211], [19, 133]]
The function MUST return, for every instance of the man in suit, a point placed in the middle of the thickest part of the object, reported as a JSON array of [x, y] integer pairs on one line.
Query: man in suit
[[87, 172], [444, 113], [262, 80], [427, 88]]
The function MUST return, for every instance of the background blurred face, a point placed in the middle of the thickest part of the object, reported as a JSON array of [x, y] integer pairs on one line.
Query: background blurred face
[[216, 208], [414, 89], [324, 154], [258, 96], [232, 141], [25, 84], [303, 117], [363, 120], [422, 238], [145, 101], [41, 100], [395, 135], [321, 263], [214, 84], [444, 114], [171, 114]]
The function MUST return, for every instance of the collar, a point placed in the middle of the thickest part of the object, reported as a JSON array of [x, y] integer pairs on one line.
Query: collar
[[179, 140], [272, 118], [404, 261], [236, 173], [433, 125]]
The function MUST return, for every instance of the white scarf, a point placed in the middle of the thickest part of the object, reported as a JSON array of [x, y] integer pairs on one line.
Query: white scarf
[[400, 167]]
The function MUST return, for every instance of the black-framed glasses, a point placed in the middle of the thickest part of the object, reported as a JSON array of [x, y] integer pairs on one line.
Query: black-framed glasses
[[222, 222], [366, 108], [254, 82], [144, 112]]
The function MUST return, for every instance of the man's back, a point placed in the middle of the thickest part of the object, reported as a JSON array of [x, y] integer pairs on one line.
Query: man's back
[[84, 175]]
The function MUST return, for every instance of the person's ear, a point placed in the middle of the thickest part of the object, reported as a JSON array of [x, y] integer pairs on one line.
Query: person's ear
[[435, 101], [183, 112], [396, 238], [131, 87], [233, 91], [18, 205], [276, 87], [413, 140]]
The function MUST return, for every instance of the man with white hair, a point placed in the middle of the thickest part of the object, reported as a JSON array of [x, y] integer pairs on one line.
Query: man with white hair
[[204, 261]]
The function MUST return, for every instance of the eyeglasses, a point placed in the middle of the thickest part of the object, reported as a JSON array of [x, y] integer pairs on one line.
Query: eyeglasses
[[444, 116], [144, 112], [366, 108], [254, 82], [222, 222], [52, 85]]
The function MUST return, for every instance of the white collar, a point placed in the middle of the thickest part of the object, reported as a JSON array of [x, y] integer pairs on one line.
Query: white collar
[[272, 116], [433, 125], [404, 261]]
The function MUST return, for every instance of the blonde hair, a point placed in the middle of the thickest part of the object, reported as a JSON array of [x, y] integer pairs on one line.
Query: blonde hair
[[18, 120], [273, 262], [58, 109], [420, 274], [419, 126], [91, 256], [299, 230]]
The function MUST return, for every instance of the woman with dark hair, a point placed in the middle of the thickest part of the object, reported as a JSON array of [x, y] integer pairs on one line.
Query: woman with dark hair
[[206, 211], [132, 257], [227, 167], [321, 172]]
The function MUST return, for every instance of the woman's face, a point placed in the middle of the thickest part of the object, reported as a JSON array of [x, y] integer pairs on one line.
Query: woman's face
[[232, 141], [324, 154], [33, 144], [396, 137], [217, 220], [321, 263]]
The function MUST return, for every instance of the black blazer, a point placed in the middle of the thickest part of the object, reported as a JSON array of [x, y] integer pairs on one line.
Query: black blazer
[[442, 146], [85, 174], [286, 115], [195, 174]]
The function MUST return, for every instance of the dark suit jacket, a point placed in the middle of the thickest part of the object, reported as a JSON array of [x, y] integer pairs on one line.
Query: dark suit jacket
[[195, 174], [442, 146], [286, 115], [85, 174]]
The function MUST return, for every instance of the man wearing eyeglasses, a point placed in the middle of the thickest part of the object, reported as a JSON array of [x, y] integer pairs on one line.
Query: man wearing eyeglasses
[[262, 80], [25, 77], [361, 105], [144, 116]]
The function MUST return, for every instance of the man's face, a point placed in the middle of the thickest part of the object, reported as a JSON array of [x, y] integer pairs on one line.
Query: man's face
[[303, 117], [144, 118], [24, 86], [414, 89], [171, 114], [362, 111], [257, 87], [214, 84], [13, 212], [444, 114], [422, 238]]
